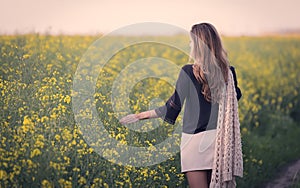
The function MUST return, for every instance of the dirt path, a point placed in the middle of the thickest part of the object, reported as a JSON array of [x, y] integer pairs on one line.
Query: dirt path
[[287, 176]]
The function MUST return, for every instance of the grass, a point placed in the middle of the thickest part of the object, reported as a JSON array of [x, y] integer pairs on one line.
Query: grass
[[41, 144]]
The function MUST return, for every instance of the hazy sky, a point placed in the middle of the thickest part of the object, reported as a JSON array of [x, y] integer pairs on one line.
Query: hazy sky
[[93, 16]]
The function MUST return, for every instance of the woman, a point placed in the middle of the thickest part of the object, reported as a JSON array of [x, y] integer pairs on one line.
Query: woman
[[204, 86]]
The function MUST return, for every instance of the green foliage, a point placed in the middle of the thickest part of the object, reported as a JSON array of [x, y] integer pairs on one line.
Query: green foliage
[[41, 144]]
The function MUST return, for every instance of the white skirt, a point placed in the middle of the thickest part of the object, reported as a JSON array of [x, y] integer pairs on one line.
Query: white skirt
[[197, 150]]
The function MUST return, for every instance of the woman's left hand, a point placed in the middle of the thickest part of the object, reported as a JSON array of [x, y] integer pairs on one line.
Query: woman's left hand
[[131, 118]]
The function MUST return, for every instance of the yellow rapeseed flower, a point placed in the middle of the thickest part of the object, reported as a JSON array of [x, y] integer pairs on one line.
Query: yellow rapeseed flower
[[167, 177], [3, 175], [5, 164], [35, 152], [65, 183], [57, 137], [27, 121], [82, 181], [46, 183], [90, 150], [39, 144], [67, 160], [40, 137], [76, 169], [67, 134], [74, 142], [105, 185], [17, 169], [30, 163], [67, 99], [26, 56], [44, 118], [53, 115], [244, 130]]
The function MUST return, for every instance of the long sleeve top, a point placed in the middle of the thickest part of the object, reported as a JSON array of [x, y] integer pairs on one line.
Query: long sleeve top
[[199, 114]]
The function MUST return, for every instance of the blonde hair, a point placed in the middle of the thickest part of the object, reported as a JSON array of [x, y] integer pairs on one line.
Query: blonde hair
[[211, 65]]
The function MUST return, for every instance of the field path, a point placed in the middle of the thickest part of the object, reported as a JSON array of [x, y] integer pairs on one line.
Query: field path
[[286, 176]]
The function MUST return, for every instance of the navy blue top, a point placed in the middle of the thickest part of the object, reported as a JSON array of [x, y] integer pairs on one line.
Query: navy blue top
[[199, 114]]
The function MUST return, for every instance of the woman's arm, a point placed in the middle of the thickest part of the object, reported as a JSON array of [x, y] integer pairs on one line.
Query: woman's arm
[[171, 109], [131, 118]]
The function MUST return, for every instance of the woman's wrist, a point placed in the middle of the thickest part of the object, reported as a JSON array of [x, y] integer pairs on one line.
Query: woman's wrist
[[146, 115], [143, 115]]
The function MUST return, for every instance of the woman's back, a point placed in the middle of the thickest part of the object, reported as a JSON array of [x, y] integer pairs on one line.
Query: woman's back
[[199, 114]]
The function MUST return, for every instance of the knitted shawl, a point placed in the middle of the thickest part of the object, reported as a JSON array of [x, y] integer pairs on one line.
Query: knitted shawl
[[228, 157]]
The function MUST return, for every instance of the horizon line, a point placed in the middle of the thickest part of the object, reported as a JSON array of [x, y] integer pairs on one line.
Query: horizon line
[[277, 32]]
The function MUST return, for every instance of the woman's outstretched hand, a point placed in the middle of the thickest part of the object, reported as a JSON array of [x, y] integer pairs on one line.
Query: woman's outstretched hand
[[131, 118]]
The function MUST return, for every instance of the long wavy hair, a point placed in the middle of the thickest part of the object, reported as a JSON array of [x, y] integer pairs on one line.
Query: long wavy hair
[[210, 60]]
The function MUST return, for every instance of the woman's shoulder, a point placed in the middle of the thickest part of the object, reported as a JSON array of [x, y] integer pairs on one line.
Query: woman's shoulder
[[188, 68], [231, 68]]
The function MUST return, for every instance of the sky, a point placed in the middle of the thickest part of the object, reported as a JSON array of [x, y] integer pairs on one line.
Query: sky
[[230, 17]]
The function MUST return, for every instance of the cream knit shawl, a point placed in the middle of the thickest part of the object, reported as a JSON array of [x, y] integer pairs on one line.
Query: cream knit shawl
[[228, 157]]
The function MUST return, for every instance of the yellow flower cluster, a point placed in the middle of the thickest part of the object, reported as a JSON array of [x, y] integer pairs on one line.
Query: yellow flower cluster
[[41, 144]]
